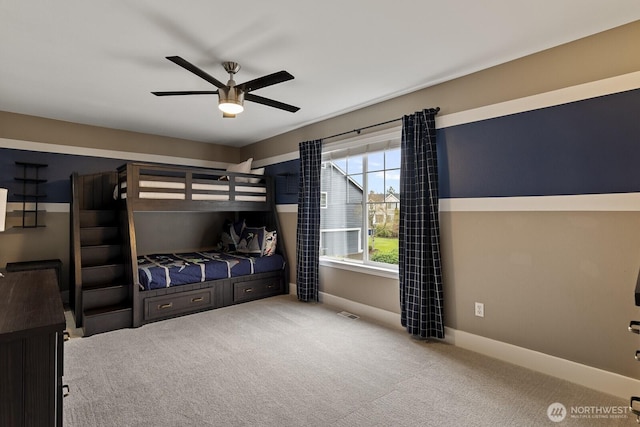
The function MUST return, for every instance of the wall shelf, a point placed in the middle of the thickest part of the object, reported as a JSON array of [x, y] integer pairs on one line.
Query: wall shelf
[[31, 194]]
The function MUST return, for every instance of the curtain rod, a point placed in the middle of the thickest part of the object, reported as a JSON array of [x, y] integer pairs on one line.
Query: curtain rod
[[358, 130]]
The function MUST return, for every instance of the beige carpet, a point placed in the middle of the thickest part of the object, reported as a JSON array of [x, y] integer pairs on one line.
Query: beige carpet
[[280, 362]]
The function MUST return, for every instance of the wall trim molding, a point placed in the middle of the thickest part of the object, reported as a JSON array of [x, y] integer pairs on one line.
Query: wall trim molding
[[370, 138], [619, 202], [553, 98], [47, 207], [577, 373], [610, 202], [280, 158], [16, 144], [378, 315]]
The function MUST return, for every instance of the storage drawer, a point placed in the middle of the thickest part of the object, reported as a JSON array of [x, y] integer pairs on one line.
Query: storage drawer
[[254, 289], [177, 303]]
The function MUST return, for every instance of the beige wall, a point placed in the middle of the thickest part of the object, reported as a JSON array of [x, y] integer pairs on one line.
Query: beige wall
[[50, 242], [38, 129], [288, 224], [556, 282], [559, 283]]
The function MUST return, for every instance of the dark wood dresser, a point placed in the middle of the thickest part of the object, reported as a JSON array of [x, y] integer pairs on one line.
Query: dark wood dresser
[[32, 327]]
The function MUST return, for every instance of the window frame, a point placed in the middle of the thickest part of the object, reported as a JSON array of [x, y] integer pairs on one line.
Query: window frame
[[326, 199], [362, 144]]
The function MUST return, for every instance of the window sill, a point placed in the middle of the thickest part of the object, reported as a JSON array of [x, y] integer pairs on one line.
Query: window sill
[[360, 268]]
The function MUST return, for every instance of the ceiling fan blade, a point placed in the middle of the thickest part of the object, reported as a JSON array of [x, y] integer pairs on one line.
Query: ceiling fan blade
[[195, 70], [270, 102], [264, 81], [187, 92]]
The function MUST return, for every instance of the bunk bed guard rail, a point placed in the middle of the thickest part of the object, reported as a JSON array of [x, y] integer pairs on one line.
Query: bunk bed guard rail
[[146, 185]]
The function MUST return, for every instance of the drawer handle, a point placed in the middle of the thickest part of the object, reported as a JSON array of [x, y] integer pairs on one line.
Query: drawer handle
[[163, 306], [271, 286], [638, 355], [198, 299], [248, 290], [65, 390], [634, 326], [635, 411]]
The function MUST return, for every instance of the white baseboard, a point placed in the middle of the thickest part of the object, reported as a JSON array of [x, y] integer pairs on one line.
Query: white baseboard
[[385, 317], [577, 373]]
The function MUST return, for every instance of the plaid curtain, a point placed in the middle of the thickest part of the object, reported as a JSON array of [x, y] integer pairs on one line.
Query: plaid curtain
[[308, 231], [420, 272]]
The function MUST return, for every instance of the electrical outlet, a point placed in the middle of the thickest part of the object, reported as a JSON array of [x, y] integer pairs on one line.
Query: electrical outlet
[[479, 309]]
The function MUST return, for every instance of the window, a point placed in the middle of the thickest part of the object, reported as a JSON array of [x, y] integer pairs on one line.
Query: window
[[323, 199], [360, 190]]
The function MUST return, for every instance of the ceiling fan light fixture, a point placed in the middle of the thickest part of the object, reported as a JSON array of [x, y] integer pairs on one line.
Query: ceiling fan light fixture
[[231, 100], [231, 96]]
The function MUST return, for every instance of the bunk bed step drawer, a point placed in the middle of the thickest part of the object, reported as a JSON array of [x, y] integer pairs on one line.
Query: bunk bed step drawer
[[178, 303], [104, 296], [92, 236], [100, 255], [97, 218], [107, 319], [254, 289], [102, 275]]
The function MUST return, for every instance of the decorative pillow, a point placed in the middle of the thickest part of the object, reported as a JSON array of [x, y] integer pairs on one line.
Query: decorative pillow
[[270, 243], [230, 237], [244, 167], [259, 171], [252, 241]]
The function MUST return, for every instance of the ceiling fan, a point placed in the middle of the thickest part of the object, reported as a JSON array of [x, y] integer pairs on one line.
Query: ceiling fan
[[231, 96]]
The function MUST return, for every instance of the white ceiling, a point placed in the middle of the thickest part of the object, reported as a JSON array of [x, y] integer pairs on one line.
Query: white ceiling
[[96, 62]]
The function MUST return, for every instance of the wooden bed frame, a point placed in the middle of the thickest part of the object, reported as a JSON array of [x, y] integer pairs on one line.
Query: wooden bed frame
[[102, 305]]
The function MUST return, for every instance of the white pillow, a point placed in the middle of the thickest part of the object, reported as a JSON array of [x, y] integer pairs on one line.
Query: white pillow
[[244, 167], [259, 171]]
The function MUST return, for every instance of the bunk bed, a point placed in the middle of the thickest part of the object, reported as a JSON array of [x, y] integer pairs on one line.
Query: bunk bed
[[244, 261]]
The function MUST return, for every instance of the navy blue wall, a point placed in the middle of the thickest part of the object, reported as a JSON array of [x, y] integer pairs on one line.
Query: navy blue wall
[[57, 173], [61, 166], [286, 181], [586, 147]]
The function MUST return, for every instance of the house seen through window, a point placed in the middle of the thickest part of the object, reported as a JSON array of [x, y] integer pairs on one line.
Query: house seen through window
[[362, 199]]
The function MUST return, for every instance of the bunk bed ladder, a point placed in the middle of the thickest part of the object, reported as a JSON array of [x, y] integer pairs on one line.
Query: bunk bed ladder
[[101, 298]]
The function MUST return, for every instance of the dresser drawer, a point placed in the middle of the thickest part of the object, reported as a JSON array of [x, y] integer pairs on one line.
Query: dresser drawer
[[254, 289], [177, 303]]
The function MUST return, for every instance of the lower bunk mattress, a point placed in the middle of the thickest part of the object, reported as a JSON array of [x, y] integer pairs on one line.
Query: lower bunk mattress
[[165, 270]]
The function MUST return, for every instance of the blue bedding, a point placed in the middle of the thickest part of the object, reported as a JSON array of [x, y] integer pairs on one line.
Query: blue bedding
[[165, 270]]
